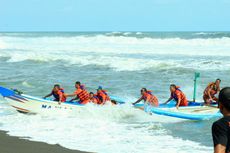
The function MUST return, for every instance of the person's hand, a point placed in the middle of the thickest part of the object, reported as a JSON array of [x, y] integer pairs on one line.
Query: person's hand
[[59, 103], [177, 107]]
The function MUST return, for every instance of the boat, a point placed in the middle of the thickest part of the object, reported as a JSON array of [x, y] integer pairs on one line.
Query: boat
[[172, 104], [194, 111], [29, 104]]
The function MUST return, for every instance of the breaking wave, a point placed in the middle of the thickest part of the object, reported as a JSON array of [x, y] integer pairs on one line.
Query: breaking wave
[[119, 52]]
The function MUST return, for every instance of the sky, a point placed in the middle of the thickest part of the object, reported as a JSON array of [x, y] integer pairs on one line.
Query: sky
[[114, 15]]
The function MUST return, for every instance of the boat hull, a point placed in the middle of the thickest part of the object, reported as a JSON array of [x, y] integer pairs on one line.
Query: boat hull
[[28, 104], [188, 112]]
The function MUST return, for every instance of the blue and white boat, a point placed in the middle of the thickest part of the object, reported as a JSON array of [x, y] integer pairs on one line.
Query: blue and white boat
[[194, 111], [29, 104]]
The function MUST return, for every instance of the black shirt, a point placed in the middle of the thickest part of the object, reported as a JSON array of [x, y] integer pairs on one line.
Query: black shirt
[[221, 132]]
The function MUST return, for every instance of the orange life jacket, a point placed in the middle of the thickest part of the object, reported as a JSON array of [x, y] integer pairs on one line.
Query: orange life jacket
[[178, 94], [213, 88], [149, 97], [103, 96], [95, 100], [58, 94], [83, 95]]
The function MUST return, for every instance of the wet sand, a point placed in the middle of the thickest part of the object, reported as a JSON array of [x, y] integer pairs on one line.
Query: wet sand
[[10, 144]]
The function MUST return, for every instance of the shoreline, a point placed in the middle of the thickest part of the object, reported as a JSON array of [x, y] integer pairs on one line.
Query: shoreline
[[12, 144]]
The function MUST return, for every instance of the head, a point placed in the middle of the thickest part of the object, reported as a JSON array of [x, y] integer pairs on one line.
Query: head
[[218, 82], [91, 94], [224, 101], [143, 91], [99, 88], [172, 87], [56, 87], [77, 84]]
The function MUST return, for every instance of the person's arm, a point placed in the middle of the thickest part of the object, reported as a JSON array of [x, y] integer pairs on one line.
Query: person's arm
[[220, 136], [218, 89], [168, 100], [75, 98], [209, 94], [178, 103], [179, 99], [47, 95], [140, 99], [103, 99], [71, 95], [60, 97]]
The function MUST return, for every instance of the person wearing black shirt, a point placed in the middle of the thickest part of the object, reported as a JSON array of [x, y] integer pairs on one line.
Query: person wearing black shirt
[[221, 128]]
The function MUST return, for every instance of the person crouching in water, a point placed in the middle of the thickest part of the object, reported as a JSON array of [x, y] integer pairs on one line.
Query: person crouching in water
[[210, 91], [178, 96], [58, 93], [148, 97], [102, 96], [81, 93]]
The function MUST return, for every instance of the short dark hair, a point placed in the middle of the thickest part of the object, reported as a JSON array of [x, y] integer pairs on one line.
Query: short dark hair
[[57, 85], [218, 80], [173, 85], [144, 89], [78, 82], [91, 93], [224, 97]]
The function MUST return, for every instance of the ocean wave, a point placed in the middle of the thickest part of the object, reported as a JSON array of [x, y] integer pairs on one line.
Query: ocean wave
[[205, 33], [121, 53], [125, 63], [100, 43]]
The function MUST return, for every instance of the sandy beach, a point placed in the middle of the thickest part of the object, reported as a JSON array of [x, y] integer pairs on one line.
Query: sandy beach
[[9, 144]]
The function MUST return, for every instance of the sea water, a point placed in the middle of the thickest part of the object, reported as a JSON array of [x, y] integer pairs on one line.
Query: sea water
[[122, 63]]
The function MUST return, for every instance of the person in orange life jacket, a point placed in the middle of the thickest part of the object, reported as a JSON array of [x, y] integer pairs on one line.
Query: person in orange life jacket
[[178, 96], [81, 93], [93, 98], [148, 97], [102, 95], [58, 93], [210, 91]]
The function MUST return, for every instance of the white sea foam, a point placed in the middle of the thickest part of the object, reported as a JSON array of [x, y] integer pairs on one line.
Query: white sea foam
[[26, 84], [118, 130], [139, 33], [119, 52]]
